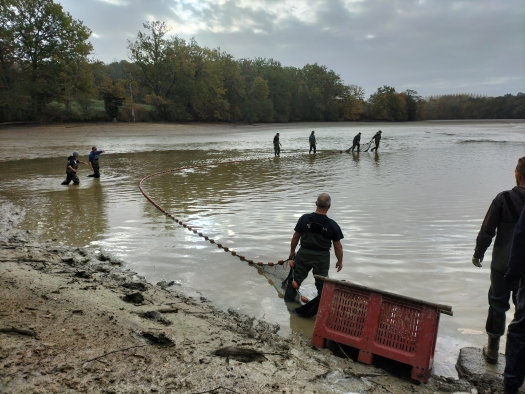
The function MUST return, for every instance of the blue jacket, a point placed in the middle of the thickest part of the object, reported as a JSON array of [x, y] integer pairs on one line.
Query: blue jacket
[[94, 155], [517, 253]]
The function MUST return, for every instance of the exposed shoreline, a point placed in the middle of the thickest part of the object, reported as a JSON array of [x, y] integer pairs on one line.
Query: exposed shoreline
[[75, 333]]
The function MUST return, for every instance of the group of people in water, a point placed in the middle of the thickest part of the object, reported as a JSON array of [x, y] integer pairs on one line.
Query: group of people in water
[[356, 143], [73, 162]]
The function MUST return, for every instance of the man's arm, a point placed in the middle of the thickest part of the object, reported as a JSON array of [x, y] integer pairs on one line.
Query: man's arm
[[293, 244], [338, 249], [488, 228]]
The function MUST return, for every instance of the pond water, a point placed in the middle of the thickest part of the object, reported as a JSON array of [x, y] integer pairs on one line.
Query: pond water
[[409, 213]]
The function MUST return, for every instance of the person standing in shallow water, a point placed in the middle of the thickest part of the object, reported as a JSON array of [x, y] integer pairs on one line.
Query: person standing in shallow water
[[313, 142], [317, 233], [514, 373], [499, 221], [94, 162], [377, 139], [356, 142], [72, 169], [276, 145]]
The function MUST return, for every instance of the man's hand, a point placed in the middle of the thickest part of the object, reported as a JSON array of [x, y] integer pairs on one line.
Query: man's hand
[[476, 261], [291, 256], [339, 266]]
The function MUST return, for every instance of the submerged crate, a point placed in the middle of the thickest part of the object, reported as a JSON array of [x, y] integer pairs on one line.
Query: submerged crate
[[379, 323]]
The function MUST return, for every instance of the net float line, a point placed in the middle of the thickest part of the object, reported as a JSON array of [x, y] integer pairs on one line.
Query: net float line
[[194, 230]]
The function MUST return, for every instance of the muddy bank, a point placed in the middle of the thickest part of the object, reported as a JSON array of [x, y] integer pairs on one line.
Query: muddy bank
[[72, 320]]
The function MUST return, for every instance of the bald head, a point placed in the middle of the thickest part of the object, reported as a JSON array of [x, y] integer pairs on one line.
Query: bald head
[[323, 201]]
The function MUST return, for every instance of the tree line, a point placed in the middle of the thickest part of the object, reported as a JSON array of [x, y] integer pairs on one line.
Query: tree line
[[46, 75]]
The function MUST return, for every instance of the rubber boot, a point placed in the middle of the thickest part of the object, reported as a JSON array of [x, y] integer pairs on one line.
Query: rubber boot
[[309, 309], [290, 294], [491, 350]]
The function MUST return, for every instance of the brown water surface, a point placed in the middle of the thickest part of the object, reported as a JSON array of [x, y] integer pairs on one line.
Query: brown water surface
[[409, 213]]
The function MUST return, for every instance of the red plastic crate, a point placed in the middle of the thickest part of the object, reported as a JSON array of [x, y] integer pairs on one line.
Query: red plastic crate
[[379, 323]]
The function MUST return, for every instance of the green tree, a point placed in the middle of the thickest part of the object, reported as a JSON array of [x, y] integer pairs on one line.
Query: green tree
[[385, 104], [44, 42], [113, 95]]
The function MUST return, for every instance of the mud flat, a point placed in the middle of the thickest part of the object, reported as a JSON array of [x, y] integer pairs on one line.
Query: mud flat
[[74, 320]]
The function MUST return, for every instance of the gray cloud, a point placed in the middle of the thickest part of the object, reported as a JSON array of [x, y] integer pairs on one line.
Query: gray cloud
[[432, 46]]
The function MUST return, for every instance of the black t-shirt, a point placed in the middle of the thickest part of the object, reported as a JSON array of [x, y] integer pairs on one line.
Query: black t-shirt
[[331, 229], [276, 140]]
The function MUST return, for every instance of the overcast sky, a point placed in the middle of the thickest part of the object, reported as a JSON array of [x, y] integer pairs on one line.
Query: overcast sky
[[431, 46]]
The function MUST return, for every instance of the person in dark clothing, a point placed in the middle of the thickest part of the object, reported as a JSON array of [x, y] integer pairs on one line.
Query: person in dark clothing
[[72, 169], [317, 233], [376, 138], [313, 142], [514, 373], [276, 145], [499, 221], [355, 142], [94, 162]]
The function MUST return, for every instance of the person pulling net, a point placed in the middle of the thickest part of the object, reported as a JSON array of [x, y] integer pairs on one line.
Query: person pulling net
[[317, 233]]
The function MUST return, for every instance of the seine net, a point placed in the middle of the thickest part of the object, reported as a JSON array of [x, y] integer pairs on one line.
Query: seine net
[[279, 276], [365, 147]]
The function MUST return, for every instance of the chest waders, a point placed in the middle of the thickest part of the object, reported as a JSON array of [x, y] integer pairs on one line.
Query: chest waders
[[71, 175], [96, 167], [314, 254]]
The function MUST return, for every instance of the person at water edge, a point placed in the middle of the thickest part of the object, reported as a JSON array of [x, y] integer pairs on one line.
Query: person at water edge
[[355, 142], [500, 222], [514, 373], [313, 142], [376, 138], [94, 162], [276, 145], [316, 233], [72, 169]]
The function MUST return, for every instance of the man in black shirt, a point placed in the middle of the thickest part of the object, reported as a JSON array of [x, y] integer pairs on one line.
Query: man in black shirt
[[317, 232]]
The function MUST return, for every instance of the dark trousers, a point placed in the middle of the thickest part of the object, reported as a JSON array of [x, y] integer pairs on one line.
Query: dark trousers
[[312, 146], [515, 351], [375, 148], [353, 147], [499, 304], [71, 176], [96, 171], [276, 150]]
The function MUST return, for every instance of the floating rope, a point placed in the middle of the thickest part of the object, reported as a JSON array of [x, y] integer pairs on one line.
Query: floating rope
[[190, 228]]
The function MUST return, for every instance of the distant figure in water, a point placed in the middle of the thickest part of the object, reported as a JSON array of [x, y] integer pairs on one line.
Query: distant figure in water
[[499, 221], [312, 141], [376, 138], [72, 169], [515, 278], [276, 145], [355, 142]]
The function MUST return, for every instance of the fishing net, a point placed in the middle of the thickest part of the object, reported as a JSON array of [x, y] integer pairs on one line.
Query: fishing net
[[362, 147], [280, 276], [365, 147]]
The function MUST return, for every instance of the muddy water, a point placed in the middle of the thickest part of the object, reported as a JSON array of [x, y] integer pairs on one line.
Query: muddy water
[[409, 213]]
